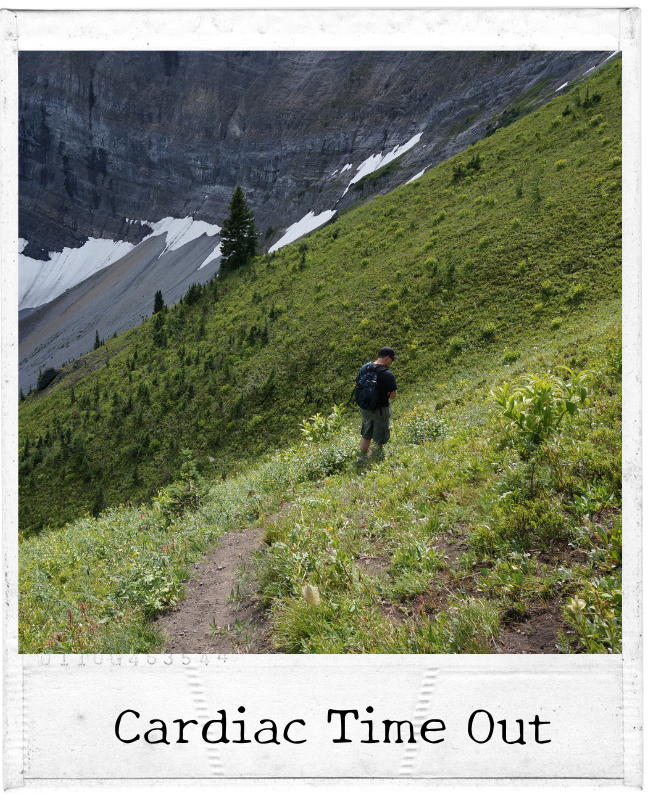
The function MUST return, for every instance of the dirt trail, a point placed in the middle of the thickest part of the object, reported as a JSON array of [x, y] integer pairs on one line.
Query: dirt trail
[[188, 624]]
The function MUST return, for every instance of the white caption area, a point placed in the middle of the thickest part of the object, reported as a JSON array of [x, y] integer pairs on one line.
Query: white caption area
[[453, 717]]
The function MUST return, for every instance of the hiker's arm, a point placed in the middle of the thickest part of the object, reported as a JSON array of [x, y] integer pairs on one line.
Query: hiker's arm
[[393, 394]]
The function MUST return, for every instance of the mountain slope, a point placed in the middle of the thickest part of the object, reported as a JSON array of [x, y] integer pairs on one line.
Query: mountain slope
[[112, 137], [493, 524], [105, 159], [519, 233]]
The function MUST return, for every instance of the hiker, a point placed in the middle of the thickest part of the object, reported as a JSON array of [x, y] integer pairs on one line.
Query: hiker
[[376, 386]]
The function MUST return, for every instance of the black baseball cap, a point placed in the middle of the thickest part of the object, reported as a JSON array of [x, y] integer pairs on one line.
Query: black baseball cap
[[387, 351]]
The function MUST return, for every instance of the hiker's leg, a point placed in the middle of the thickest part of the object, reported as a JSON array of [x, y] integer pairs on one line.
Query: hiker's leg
[[364, 444], [381, 430], [367, 425]]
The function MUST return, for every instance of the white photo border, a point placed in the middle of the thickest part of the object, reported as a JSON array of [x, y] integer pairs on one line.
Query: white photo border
[[46, 694]]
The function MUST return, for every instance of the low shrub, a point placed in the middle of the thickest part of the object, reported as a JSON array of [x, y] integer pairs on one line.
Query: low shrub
[[510, 356], [454, 347], [488, 332], [420, 425], [595, 614], [547, 289], [575, 294]]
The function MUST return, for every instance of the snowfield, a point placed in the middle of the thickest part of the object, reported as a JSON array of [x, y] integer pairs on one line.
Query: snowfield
[[375, 162], [214, 254], [419, 175], [308, 223], [180, 231], [42, 281]]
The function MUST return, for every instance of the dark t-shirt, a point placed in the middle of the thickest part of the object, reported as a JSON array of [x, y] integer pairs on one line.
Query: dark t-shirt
[[386, 383]]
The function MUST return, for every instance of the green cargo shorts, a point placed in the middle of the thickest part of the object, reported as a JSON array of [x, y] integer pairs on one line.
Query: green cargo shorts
[[376, 424]]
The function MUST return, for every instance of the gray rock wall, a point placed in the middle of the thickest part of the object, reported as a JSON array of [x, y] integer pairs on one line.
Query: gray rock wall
[[106, 137]]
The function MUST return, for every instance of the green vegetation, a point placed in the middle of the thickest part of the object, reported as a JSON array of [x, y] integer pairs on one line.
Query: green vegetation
[[500, 491]]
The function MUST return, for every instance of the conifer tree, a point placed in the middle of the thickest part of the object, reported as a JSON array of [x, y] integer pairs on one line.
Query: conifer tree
[[97, 341], [158, 303], [238, 234]]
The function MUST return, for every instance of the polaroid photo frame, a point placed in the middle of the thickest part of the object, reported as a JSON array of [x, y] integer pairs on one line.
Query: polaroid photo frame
[[581, 714]]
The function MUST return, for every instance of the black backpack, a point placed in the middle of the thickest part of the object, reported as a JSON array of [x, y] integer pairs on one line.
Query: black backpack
[[367, 391]]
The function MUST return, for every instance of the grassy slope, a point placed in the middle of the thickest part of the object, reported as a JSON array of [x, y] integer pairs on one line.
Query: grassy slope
[[521, 257], [429, 266]]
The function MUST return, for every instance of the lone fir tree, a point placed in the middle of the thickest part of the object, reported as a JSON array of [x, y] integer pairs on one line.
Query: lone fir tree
[[158, 304], [238, 234]]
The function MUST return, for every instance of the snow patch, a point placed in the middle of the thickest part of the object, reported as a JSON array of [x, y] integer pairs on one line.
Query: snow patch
[[342, 170], [562, 87], [42, 281], [305, 225], [180, 231], [377, 161], [22, 244], [419, 175], [214, 254]]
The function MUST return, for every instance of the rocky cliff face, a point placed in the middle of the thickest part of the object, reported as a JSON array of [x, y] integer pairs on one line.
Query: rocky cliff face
[[111, 141], [110, 137]]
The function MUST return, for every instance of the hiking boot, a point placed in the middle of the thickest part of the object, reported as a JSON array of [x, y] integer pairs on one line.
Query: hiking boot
[[361, 459]]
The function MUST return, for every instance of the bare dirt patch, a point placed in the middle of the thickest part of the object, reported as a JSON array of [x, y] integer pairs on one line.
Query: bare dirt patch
[[536, 631], [189, 625]]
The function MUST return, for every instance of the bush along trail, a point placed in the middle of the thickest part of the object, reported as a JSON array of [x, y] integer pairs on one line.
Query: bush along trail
[[493, 523]]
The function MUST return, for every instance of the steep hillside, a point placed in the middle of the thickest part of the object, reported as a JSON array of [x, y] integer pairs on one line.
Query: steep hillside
[[466, 538], [118, 147], [519, 233]]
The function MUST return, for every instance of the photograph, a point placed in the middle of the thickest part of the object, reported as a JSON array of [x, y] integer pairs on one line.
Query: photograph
[[326, 378], [221, 256]]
